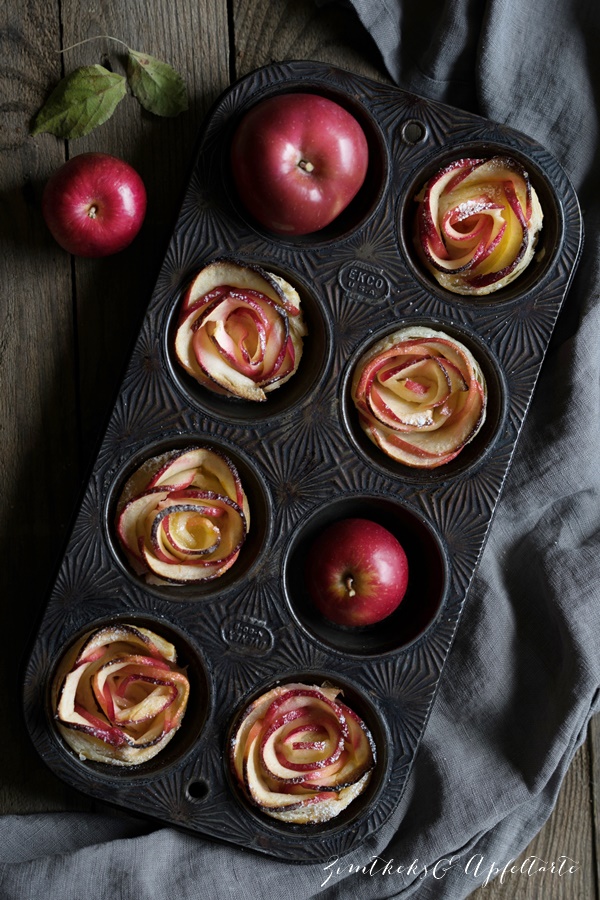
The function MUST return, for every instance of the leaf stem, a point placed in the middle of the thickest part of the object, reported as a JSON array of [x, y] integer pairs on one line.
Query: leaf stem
[[98, 37]]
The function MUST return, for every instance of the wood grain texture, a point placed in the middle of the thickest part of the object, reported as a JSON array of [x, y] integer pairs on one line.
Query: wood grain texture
[[38, 431], [112, 293], [266, 32], [568, 840], [67, 326], [594, 746]]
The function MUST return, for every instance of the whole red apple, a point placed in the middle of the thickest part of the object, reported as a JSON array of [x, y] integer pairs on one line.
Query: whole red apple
[[94, 205], [356, 572], [297, 162]]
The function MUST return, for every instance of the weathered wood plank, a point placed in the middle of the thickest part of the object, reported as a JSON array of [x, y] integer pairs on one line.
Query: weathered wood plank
[[567, 839], [112, 293], [38, 433], [268, 32], [67, 326], [594, 745]]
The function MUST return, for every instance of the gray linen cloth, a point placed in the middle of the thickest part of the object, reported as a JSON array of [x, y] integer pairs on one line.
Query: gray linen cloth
[[522, 679]]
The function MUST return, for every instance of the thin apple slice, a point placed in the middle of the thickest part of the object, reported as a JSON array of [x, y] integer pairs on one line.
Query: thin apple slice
[[240, 330], [225, 271], [296, 749], [194, 535], [114, 676], [179, 470], [249, 332], [240, 362], [88, 724], [134, 512], [408, 410], [260, 792], [412, 406], [195, 524], [223, 363], [212, 471], [192, 513], [152, 643], [180, 573], [446, 180], [225, 514], [427, 427], [114, 705], [288, 763], [322, 807], [162, 696], [477, 224], [360, 750], [419, 451]]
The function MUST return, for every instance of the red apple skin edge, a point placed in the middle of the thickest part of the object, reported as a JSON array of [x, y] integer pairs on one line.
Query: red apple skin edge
[[356, 572], [297, 161], [94, 205]]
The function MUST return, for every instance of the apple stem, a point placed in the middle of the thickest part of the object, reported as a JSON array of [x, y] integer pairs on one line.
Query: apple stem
[[92, 211], [96, 37], [306, 165], [349, 582]]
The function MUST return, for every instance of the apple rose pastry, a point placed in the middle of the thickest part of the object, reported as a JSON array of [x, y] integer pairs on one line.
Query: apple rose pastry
[[119, 696], [240, 330], [421, 396], [477, 224], [183, 516], [301, 755]]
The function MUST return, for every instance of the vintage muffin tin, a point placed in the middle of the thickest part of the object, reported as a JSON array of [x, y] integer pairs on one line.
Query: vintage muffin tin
[[305, 462]]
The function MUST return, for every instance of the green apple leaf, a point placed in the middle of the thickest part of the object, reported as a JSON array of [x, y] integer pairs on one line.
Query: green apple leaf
[[81, 101], [157, 86]]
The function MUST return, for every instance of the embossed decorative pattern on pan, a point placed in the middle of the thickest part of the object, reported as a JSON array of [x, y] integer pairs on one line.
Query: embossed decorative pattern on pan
[[243, 633]]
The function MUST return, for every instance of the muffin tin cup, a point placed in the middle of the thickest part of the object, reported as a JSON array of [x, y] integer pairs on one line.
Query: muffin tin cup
[[549, 242], [198, 710], [474, 453], [255, 543], [427, 583], [284, 399], [368, 199], [358, 809], [305, 462]]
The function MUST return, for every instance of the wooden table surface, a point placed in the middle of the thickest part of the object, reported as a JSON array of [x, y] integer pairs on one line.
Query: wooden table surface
[[68, 324]]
